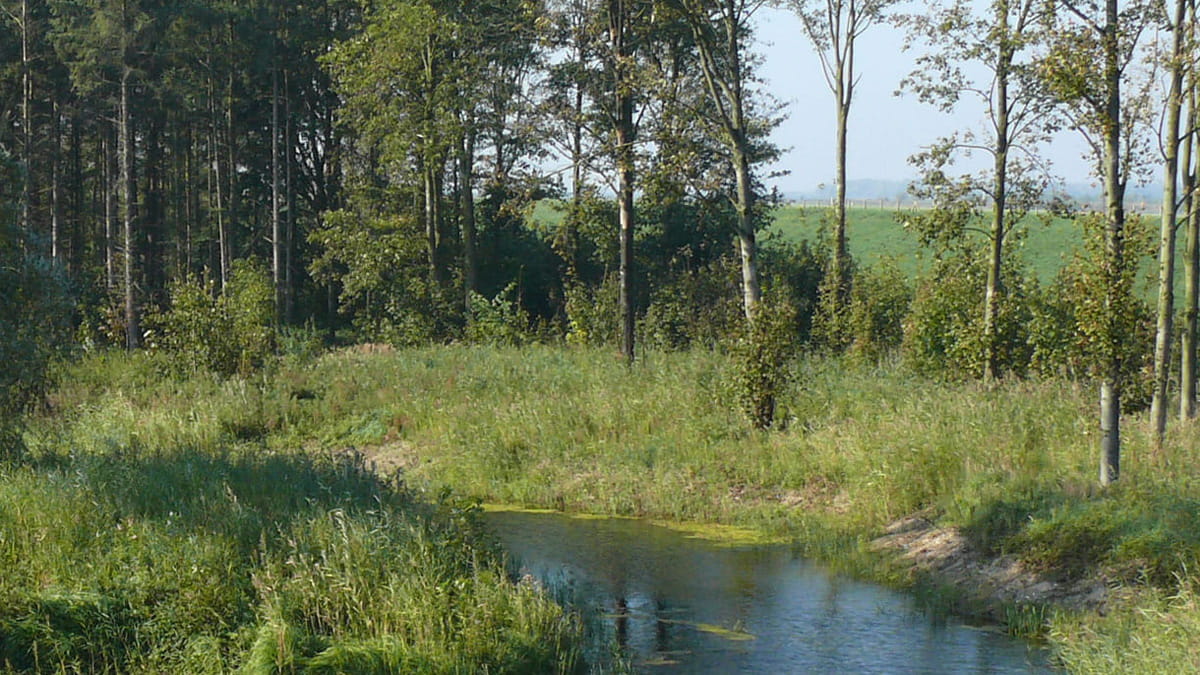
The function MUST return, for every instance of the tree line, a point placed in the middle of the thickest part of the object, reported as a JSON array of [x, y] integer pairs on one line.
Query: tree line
[[370, 165]]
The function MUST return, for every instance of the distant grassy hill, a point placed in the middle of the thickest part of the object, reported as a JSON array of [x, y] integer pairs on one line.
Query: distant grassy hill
[[876, 234]]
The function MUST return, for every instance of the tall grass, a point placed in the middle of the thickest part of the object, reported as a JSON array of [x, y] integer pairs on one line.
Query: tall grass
[[151, 528], [1013, 465]]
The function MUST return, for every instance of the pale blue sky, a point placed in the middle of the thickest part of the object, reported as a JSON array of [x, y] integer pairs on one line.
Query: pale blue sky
[[884, 129]]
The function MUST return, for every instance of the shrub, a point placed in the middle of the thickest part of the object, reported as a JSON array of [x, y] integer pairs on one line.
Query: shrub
[[227, 333], [593, 315], [35, 315], [944, 334], [874, 320], [697, 308], [763, 353], [499, 321]]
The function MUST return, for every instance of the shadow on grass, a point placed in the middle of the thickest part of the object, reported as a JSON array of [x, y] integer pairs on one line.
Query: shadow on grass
[[124, 561]]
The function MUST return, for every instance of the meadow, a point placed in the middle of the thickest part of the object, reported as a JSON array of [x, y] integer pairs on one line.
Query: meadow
[[151, 525], [264, 484]]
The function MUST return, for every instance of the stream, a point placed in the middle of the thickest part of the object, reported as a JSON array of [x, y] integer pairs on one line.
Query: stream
[[668, 603]]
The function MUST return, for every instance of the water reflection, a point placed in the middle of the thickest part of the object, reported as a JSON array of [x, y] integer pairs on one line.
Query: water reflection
[[674, 604]]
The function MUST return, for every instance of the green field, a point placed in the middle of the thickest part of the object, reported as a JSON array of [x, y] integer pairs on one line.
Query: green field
[[877, 234]]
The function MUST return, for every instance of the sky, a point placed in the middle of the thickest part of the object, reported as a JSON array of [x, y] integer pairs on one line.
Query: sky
[[884, 129]]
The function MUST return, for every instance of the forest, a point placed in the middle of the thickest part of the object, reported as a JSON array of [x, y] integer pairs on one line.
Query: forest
[[205, 204]]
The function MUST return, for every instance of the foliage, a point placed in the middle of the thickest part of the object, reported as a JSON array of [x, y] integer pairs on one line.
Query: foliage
[[874, 317], [36, 307], [943, 333], [592, 314], [695, 309], [797, 271], [499, 321], [1122, 331], [229, 333], [380, 266], [763, 353]]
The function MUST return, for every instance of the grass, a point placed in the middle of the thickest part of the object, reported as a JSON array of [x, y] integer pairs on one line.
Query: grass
[[876, 235], [566, 429], [151, 528]]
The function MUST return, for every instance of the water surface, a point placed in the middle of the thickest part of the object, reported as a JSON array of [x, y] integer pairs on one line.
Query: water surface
[[669, 604]]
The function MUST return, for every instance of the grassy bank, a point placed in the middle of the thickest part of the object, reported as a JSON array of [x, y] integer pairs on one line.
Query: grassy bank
[[575, 429], [151, 528]]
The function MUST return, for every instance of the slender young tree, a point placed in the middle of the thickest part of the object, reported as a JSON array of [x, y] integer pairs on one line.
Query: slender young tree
[[1190, 163], [1019, 115], [722, 33], [1177, 63], [1092, 49], [834, 28]]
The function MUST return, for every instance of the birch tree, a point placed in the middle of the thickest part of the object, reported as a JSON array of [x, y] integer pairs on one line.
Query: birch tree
[[722, 33]]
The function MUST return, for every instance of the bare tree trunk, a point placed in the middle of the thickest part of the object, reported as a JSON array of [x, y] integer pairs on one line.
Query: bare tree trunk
[[466, 179], [1114, 264], [1191, 269], [1166, 253], [55, 182], [231, 192], [110, 210], [747, 242], [132, 329], [289, 214], [217, 184], [841, 251], [991, 303], [276, 229], [620, 19], [26, 123], [432, 229]]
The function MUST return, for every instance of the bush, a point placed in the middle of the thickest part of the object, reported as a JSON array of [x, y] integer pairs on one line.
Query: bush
[[35, 315], [593, 315], [874, 320], [227, 333], [499, 321], [763, 353], [944, 334], [697, 308]]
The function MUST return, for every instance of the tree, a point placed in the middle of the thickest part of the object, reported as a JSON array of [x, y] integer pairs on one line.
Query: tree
[[1019, 114], [722, 33], [1190, 162], [1177, 64], [1091, 49], [834, 27], [108, 44]]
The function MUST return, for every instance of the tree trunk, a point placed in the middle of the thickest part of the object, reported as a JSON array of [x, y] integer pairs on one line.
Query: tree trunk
[[276, 229], [55, 181], [132, 329], [1166, 252], [1114, 192], [620, 19], [26, 123], [110, 209], [841, 251], [466, 179], [289, 203], [991, 302], [747, 243], [1191, 269]]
